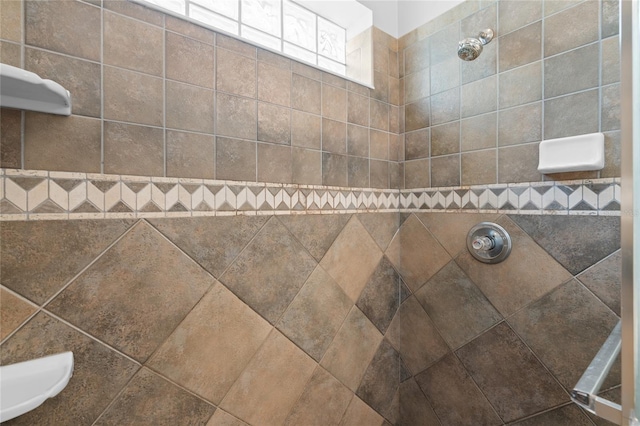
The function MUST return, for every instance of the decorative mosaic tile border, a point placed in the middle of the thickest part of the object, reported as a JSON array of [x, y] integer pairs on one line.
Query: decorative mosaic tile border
[[37, 195]]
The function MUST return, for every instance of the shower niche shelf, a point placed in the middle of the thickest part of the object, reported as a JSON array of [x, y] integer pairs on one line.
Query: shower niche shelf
[[572, 154], [25, 90]]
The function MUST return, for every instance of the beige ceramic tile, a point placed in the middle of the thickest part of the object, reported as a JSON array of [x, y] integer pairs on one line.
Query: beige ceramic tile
[[222, 418], [271, 384], [221, 328], [14, 311], [360, 414], [189, 60], [352, 258], [132, 97], [10, 20], [133, 150], [274, 84], [235, 73]]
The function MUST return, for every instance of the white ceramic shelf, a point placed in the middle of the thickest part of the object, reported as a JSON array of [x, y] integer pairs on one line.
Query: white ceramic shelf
[[25, 90], [572, 154]]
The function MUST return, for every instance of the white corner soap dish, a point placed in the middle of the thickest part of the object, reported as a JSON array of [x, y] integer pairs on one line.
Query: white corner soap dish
[[26, 385], [572, 154]]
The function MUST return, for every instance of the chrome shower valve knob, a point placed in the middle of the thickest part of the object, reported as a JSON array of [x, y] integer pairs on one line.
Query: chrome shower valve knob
[[489, 242], [484, 243]]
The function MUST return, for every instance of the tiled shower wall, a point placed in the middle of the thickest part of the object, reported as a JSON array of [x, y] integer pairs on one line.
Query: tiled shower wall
[[551, 71], [154, 95]]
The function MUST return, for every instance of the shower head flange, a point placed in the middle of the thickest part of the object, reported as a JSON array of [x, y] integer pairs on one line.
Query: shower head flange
[[470, 48], [485, 36]]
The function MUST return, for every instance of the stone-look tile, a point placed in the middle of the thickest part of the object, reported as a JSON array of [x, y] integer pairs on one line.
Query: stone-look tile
[[212, 242], [479, 97], [269, 387], [570, 233], [604, 280], [277, 261], [567, 415], [417, 86], [334, 136], [445, 106], [381, 226], [416, 57], [417, 174], [379, 174], [133, 10], [571, 115], [104, 302], [81, 78], [358, 172], [451, 229], [405, 252], [274, 84], [36, 264], [334, 103], [445, 171], [352, 258], [10, 52], [415, 336], [222, 418], [379, 115], [133, 150], [133, 97], [306, 166], [610, 60], [274, 59], [381, 86], [77, 27], [416, 144], [315, 315], [571, 28], [570, 310], [484, 66], [514, 15], [360, 414], [274, 163], [520, 125], [274, 124], [456, 306], [190, 155], [150, 398], [478, 132], [381, 379], [572, 71], [518, 164], [334, 169], [235, 159], [554, 6], [99, 373], [510, 285], [357, 109], [306, 94], [11, 21], [236, 117], [236, 45], [221, 328], [235, 73], [520, 47], [506, 371], [478, 167], [417, 115], [445, 139], [378, 144], [131, 44], [315, 232], [610, 113], [357, 140], [612, 155], [189, 29], [305, 130], [10, 139], [61, 143], [414, 408], [444, 42], [323, 402], [189, 61], [444, 76], [454, 396], [610, 18], [14, 312], [352, 349], [520, 86], [379, 300]]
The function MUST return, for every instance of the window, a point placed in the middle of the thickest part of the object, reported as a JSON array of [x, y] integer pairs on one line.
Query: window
[[280, 25]]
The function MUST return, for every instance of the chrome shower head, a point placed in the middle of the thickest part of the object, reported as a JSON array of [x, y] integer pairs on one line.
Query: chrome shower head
[[470, 48]]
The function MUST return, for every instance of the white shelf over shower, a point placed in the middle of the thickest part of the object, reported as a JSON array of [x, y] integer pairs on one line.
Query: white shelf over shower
[[25, 90]]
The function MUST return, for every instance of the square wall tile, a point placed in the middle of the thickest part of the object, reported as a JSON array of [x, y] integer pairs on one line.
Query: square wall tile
[[572, 71], [133, 10], [478, 97], [190, 155], [479, 168], [77, 27], [445, 75], [306, 166], [416, 57], [379, 174], [133, 150], [520, 86], [358, 172], [274, 84], [334, 169], [305, 94], [334, 102], [571, 28], [235, 73], [520, 125], [189, 107], [62, 143], [131, 44], [220, 327], [334, 136], [102, 299], [520, 47], [604, 280], [417, 86], [610, 108], [357, 109], [11, 21], [269, 387], [416, 144], [417, 115], [379, 115], [133, 97], [417, 173], [306, 130], [235, 159], [274, 163], [571, 115], [445, 107], [359, 413], [610, 60], [518, 164], [380, 299], [445, 171], [10, 138], [445, 139], [514, 15], [358, 140], [236, 117], [14, 312], [189, 60], [10, 52], [274, 124], [610, 18], [478, 132]]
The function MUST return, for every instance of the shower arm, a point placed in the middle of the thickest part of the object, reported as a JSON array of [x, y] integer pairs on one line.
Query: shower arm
[[585, 392]]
